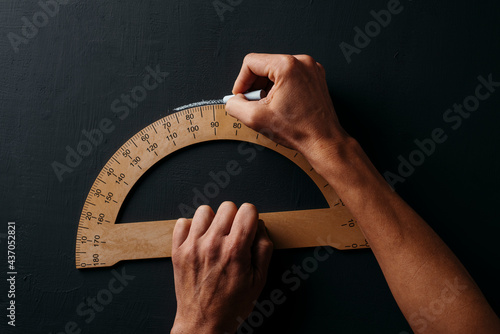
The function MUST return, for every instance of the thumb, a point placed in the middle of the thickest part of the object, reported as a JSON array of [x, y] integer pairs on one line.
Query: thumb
[[252, 113]]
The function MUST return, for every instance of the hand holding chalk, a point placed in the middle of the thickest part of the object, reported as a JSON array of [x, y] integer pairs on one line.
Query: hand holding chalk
[[256, 95], [300, 114]]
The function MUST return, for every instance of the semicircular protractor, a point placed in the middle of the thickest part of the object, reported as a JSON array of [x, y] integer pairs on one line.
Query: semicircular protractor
[[100, 242]]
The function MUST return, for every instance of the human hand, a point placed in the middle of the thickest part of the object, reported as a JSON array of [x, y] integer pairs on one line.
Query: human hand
[[220, 267], [297, 112]]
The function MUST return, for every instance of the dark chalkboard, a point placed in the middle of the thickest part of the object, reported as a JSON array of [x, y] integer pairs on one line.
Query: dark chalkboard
[[397, 71]]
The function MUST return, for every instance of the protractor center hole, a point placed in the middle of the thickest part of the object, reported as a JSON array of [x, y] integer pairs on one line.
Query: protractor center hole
[[217, 171]]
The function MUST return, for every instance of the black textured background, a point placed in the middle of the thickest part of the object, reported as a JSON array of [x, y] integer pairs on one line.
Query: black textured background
[[65, 78]]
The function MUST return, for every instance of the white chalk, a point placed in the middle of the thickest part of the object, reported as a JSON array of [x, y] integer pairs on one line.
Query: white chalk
[[198, 104], [256, 95]]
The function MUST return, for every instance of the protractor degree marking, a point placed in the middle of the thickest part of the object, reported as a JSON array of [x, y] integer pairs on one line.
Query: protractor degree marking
[[150, 145]]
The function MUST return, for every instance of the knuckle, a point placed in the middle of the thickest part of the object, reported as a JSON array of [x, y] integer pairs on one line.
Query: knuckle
[[182, 221], [320, 67], [204, 209], [248, 57], [234, 251], [252, 120], [210, 248], [288, 63], [308, 61], [232, 245], [176, 258], [228, 204], [268, 245], [180, 256], [249, 206], [321, 70]]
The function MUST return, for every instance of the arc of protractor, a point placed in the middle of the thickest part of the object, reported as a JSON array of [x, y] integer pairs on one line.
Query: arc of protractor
[[100, 242]]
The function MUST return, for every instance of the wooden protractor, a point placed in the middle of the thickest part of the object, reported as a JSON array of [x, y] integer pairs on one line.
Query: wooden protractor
[[100, 242]]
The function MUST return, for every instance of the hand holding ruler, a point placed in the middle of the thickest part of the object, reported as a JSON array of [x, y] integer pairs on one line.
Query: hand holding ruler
[[100, 242]]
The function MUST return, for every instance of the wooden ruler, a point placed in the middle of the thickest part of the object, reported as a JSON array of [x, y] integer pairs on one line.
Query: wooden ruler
[[100, 242]]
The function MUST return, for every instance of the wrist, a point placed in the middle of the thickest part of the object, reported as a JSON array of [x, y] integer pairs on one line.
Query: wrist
[[330, 154], [190, 328], [344, 164], [182, 326]]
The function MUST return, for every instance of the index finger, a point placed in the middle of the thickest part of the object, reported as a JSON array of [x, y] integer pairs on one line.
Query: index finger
[[255, 66]]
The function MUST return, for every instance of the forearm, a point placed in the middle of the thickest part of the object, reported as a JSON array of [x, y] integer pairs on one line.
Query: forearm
[[423, 274], [418, 266]]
